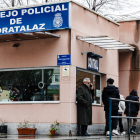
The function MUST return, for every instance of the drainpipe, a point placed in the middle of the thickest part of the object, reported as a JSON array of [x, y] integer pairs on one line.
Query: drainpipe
[[70, 132]]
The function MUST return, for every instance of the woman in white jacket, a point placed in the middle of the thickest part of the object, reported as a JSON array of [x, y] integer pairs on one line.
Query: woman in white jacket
[[120, 111]]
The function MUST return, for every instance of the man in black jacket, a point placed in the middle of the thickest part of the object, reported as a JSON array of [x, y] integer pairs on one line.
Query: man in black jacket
[[85, 96], [111, 92]]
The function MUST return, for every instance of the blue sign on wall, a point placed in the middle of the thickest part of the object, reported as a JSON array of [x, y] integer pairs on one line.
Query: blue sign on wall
[[41, 18], [93, 63], [63, 60]]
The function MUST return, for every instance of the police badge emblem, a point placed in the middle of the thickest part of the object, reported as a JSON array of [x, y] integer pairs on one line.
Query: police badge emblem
[[58, 21]]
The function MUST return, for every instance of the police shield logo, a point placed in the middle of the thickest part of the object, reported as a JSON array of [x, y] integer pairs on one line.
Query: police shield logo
[[58, 21]]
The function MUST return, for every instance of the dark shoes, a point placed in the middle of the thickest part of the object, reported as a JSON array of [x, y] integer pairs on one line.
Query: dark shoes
[[133, 130], [86, 134]]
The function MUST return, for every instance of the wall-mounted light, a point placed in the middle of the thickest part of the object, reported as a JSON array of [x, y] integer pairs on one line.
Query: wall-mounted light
[[84, 52], [16, 45]]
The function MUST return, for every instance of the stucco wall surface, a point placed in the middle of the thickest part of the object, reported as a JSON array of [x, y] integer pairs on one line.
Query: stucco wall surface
[[129, 32], [129, 62], [34, 53], [87, 23], [129, 67], [91, 24]]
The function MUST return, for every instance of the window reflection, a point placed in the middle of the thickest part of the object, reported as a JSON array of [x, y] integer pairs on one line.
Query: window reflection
[[30, 85]]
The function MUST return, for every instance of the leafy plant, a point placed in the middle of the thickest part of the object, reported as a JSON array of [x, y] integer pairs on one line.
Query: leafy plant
[[2, 122], [26, 124], [53, 126], [53, 91]]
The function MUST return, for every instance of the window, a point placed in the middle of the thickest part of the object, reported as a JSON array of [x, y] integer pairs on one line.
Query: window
[[94, 78], [55, 78], [30, 85]]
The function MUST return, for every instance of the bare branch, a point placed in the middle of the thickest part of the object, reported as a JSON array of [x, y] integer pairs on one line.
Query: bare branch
[[19, 2], [100, 1], [94, 5], [102, 4], [6, 3], [88, 3], [22, 2]]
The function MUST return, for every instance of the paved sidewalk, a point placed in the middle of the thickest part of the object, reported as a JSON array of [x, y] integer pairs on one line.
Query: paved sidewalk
[[46, 137]]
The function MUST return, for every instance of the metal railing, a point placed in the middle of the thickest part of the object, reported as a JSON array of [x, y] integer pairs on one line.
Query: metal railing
[[110, 117]]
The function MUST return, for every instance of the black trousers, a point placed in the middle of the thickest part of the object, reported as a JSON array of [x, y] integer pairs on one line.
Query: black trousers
[[114, 120], [120, 122], [83, 129]]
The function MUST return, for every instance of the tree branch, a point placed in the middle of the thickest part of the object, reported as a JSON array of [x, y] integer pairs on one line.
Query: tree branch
[[102, 4], [19, 2], [99, 2], [22, 2], [94, 5], [88, 3], [6, 3]]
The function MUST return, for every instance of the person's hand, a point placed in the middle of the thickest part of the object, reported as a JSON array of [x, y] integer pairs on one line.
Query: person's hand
[[91, 86]]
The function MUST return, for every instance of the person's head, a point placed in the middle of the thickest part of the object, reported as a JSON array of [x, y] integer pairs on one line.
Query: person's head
[[110, 81], [86, 81], [133, 92]]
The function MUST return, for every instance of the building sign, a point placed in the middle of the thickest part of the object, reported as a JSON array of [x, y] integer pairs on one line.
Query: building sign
[[65, 71], [63, 60], [33, 19], [93, 63]]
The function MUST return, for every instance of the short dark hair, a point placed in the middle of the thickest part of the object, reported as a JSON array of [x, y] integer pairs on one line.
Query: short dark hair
[[110, 81], [133, 92]]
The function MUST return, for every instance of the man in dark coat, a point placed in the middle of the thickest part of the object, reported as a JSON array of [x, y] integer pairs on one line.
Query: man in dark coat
[[85, 96], [111, 92], [134, 108]]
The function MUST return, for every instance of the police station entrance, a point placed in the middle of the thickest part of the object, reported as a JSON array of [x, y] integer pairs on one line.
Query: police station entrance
[[95, 79]]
